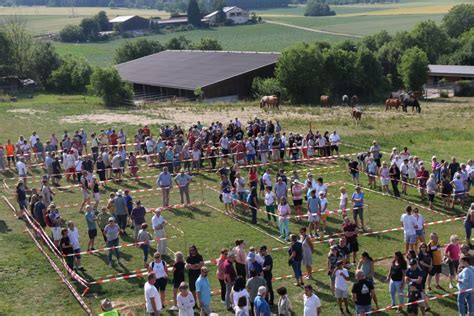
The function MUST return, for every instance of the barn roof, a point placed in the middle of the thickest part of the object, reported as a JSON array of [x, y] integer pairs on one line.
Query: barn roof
[[451, 70], [188, 70], [123, 18]]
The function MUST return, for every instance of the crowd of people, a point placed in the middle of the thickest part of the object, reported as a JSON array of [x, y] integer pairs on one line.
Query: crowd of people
[[245, 274]]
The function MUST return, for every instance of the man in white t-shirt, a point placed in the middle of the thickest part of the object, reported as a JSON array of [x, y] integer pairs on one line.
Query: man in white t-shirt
[[152, 297], [409, 224], [158, 223], [267, 178], [341, 276], [22, 169], [312, 303]]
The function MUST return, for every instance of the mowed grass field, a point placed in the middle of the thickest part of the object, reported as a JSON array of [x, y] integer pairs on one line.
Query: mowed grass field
[[443, 129]]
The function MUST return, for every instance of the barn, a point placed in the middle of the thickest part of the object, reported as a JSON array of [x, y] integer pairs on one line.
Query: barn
[[216, 74], [450, 73], [129, 23], [235, 14]]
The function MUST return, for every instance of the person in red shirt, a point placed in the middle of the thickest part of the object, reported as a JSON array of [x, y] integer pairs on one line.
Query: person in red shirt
[[422, 176], [113, 138], [229, 277], [350, 231], [146, 131], [10, 149]]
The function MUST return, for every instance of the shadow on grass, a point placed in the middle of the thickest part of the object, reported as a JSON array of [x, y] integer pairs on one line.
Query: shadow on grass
[[4, 227]]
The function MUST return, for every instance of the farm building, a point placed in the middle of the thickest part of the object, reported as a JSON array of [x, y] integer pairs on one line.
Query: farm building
[[129, 23], [235, 14], [179, 73], [450, 73]]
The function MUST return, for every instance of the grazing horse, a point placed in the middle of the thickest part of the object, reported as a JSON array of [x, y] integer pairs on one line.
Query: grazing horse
[[354, 100], [345, 99], [389, 103], [324, 100], [413, 102], [270, 101], [356, 114]]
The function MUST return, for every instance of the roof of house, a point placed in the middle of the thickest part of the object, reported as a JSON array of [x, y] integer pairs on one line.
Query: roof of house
[[123, 18], [453, 70], [189, 70], [225, 9], [173, 20]]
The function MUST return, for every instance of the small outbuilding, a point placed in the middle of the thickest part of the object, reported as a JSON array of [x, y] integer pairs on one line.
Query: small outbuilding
[[215, 74], [235, 14], [129, 23]]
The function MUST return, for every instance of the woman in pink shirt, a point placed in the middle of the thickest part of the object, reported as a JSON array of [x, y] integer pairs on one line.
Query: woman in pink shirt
[[220, 271], [297, 193], [452, 255], [284, 218]]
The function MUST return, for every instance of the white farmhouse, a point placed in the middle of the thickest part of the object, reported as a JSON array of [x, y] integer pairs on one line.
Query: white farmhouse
[[236, 14]]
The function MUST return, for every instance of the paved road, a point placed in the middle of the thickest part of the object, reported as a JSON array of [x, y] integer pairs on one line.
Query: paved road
[[314, 30]]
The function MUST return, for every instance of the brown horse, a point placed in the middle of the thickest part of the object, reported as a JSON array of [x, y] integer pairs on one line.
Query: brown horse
[[356, 114], [354, 100], [324, 100], [270, 101], [389, 103]]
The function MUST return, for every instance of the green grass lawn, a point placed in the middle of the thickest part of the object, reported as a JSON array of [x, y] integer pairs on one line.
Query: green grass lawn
[[439, 130]]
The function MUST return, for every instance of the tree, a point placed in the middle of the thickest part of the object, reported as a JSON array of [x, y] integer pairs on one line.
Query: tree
[[300, 71], [368, 74], [459, 19], [194, 15], [21, 46], [106, 83], [45, 61], [432, 39], [413, 68], [90, 28], [267, 86], [71, 34], [102, 20], [5, 54], [72, 76], [339, 69], [136, 49], [178, 43], [207, 44], [375, 41], [317, 8]]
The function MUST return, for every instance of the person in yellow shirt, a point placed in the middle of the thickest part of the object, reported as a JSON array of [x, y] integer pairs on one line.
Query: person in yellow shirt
[[108, 308], [434, 248]]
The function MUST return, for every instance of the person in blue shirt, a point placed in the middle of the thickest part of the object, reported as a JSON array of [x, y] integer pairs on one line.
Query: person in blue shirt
[[203, 292], [91, 227], [261, 307], [164, 182], [358, 206], [314, 206], [128, 201], [465, 282], [182, 180]]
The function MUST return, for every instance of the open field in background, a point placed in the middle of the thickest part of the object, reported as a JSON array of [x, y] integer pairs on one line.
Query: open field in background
[[442, 129]]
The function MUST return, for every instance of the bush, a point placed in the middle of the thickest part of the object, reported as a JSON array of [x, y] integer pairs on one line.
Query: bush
[[72, 76], [464, 88], [316, 8], [267, 86], [71, 34], [106, 83]]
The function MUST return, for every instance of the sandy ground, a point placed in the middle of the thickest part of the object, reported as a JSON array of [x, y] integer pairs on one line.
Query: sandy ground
[[26, 111]]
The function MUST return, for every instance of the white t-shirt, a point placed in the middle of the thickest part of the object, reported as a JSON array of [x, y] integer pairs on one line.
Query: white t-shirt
[[321, 188], [270, 198], [151, 293], [409, 223], [21, 167], [158, 269], [340, 282], [74, 237], [267, 179], [155, 221], [311, 305], [343, 201], [196, 154], [419, 221]]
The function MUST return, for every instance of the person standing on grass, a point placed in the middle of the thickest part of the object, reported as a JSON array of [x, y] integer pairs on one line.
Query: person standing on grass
[[158, 224], [111, 232], [144, 237], [91, 220], [270, 201], [363, 293], [284, 218], [452, 254], [185, 300], [194, 263], [280, 189], [350, 231], [434, 248], [458, 190], [229, 278], [152, 297], [103, 220], [22, 169], [55, 220], [314, 205], [297, 194], [414, 276], [308, 249], [371, 169], [203, 292], [431, 190], [267, 268], [341, 277], [404, 173], [178, 277], [238, 291], [253, 284], [296, 256], [396, 277], [469, 223], [226, 188], [138, 218], [128, 202], [66, 248], [409, 224], [465, 279], [164, 182], [220, 272], [323, 211], [312, 303], [284, 304], [121, 212], [160, 269], [73, 234], [261, 307], [394, 174], [420, 225], [353, 166], [253, 203], [239, 185], [183, 180], [422, 176], [358, 207]]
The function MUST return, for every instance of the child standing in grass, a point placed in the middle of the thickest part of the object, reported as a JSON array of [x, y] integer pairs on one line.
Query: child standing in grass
[[144, 236], [284, 304]]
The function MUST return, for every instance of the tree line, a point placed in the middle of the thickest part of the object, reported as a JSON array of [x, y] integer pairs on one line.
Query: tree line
[[374, 65]]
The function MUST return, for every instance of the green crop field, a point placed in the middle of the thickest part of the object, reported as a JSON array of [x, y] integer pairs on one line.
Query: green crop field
[[205, 225]]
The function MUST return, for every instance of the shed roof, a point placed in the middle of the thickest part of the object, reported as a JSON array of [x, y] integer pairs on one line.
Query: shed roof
[[123, 18], [451, 70], [191, 69]]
